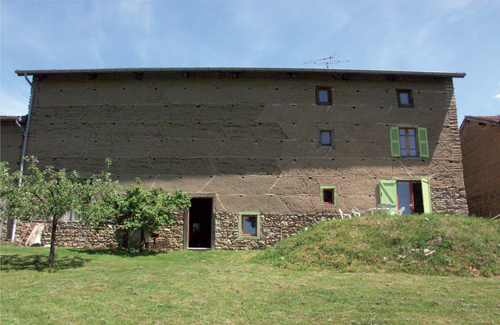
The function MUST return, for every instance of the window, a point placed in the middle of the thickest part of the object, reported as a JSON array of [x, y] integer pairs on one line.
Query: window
[[249, 225], [405, 98], [409, 142], [325, 138], [70, 216], [413, 194], [328, 195], [323, 95]]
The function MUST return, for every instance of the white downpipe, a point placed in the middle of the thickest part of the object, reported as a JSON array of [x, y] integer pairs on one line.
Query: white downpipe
[[12, 232]]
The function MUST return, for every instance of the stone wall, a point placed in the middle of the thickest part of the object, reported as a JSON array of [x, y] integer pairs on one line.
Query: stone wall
[[72, 234], [273, 229], [449, 200]]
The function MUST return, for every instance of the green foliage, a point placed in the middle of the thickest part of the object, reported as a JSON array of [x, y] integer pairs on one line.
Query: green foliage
[[49, 193], [417, 244], [148, 209]]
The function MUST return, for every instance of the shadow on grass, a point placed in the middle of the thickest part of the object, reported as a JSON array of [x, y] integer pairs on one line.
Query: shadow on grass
[[39, 263], [112, 251]]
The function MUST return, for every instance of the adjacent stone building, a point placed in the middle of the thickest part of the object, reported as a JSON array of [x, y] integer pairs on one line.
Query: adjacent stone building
[[480, 140], [263, 152]]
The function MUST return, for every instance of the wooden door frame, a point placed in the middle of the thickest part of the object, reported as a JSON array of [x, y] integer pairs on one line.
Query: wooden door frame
[[211, 196], [412, 197]]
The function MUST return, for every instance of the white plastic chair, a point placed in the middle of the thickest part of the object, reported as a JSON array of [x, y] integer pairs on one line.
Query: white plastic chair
[[399, 212], [342, 215], [356, 213]]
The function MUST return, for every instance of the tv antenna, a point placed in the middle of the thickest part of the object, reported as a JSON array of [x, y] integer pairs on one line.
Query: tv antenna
[[326, 61]]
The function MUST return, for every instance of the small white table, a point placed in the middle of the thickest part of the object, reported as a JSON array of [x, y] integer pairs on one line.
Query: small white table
[[379, 210]]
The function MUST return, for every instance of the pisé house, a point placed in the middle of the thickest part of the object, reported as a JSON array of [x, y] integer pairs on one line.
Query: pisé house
[[263, 152]]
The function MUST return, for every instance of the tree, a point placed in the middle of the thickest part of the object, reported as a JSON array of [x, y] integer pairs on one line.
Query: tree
[[50, 193], [147, 210]]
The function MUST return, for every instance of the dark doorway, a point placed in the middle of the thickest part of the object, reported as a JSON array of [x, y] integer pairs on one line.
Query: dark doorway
[[418, 200], [200, 223]]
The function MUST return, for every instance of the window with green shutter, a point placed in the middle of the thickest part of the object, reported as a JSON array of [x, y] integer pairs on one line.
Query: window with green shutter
[[388, 193], [414, 194], [395, 151], [423, 143], [407, 142]]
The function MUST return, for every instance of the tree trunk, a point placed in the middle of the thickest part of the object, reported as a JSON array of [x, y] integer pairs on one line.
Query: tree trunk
[[141, 245], [52, 242]]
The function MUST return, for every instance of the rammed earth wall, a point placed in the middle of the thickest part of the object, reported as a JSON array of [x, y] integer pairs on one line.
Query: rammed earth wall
[[249, 140], [480, 141]]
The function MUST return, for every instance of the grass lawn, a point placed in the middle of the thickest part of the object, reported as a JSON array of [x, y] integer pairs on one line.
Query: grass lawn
[[226, 287]]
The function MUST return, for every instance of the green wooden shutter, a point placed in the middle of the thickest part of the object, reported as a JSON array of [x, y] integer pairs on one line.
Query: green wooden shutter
[[426, 195], [395, 146], [388, 193], [423, 143]]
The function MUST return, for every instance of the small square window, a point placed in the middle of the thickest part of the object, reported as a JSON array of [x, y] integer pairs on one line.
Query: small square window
[[325, 138], [70, 216], [249, 225], [328, 195], [405, 98], [323, 95]]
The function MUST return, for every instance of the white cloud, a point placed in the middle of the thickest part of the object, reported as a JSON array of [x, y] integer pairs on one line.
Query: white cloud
[[497, 96]]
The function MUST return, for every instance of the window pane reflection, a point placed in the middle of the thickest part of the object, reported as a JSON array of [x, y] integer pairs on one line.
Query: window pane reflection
[[404, 98], [323, 96], [326, 137], [249, 225]]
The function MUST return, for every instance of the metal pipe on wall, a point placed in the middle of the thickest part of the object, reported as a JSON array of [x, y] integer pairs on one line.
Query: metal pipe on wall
[[11, 225]]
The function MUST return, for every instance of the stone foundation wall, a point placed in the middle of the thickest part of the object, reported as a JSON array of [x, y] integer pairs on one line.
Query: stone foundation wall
[[71, 234], [273, 228], [449, 200], [75, 234]]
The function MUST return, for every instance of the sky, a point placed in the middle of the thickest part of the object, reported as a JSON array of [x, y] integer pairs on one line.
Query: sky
[[439, 35]]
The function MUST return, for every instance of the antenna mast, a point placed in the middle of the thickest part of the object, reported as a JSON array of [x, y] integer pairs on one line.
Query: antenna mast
[[326, 61]]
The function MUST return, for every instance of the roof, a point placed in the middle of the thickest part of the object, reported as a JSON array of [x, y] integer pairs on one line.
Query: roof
[[486, 119], [5, 118], [493, 120], [261, 70]]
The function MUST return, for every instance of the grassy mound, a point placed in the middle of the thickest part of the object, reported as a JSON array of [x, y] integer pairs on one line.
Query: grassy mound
[[417, 244]]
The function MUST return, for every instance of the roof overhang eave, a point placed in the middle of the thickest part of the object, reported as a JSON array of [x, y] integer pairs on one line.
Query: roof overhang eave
[[257, 70]]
